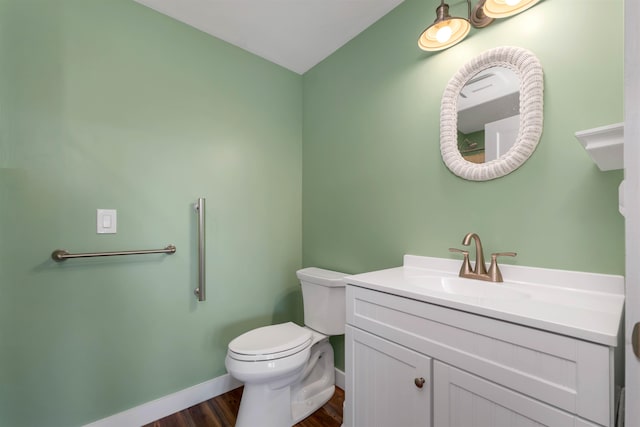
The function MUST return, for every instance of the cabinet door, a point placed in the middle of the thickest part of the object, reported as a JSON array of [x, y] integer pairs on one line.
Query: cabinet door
[[461, 399], [386, 384]]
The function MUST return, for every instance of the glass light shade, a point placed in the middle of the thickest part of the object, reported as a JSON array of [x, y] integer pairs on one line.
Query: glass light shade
[[504, 8], [433, 38]]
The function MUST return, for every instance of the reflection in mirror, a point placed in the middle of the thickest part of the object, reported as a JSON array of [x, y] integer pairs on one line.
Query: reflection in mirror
[[488, 114]]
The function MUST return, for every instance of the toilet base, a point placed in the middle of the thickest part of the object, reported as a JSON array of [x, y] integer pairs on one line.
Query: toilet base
[[302, 410], [274, 404], [317, 384], [262, 406]]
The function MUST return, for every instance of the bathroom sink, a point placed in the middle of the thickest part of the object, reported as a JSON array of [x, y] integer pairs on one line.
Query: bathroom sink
[[582, 305], [467, 287]]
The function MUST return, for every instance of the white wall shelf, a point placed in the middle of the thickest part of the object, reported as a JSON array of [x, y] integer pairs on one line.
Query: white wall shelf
[[605, 145]]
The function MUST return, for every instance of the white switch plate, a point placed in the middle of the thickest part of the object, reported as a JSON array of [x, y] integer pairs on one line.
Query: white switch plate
[[107, 220]]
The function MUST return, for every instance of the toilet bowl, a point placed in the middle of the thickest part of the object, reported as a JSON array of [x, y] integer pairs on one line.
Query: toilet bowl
[[288, 370]]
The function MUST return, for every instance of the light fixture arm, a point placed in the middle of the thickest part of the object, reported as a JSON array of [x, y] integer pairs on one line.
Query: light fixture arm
[[477, 17], [442, 12]]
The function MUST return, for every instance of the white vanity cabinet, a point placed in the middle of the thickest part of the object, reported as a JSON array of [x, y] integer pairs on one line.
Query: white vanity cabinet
[[392, 384], [478, 371], [464, 399]]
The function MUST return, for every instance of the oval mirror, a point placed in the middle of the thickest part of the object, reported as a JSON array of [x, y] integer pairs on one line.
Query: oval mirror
[[491, 115]]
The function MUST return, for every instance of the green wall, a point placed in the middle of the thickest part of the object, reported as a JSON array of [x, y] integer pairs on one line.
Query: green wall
[[108, 104], [374, 184]]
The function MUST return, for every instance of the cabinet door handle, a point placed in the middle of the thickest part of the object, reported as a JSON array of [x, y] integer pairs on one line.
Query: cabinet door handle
[[635, 339], [419, 382]]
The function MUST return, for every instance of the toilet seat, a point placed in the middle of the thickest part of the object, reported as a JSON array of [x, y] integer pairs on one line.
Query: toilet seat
[[270, 342]]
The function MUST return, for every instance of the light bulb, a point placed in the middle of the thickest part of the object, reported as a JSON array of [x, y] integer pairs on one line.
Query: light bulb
[[444, 34], [505, 8]]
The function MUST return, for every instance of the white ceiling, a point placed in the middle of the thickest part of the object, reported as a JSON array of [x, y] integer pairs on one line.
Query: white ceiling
[[296, 34]]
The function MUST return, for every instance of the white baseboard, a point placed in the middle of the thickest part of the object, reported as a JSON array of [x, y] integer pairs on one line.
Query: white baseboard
[[340, 378], [170, 404], [176, 402]]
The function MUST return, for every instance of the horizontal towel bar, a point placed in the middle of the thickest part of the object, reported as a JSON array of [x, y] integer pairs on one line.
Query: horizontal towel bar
[[60, 255]]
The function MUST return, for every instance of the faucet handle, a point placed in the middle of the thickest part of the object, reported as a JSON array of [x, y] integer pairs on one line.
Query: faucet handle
[[494, 271], [466, 265]]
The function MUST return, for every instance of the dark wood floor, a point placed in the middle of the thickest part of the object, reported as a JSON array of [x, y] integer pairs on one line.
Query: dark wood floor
[[221, 411]]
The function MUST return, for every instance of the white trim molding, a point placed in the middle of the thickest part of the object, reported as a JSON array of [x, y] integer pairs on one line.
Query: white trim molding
[[339, 378], [170, 404], [178, 401], [526, 65]]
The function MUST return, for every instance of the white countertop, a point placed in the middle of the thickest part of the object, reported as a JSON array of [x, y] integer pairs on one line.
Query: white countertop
[[582, 305]]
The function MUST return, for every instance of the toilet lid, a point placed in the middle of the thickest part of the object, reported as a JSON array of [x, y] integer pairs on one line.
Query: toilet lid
[[270, 342]]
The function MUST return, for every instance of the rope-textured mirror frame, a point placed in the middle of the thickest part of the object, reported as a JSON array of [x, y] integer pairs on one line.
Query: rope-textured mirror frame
[[526, 65]]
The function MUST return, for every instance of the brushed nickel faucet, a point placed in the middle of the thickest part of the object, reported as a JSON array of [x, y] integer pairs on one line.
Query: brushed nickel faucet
[[479, 271]]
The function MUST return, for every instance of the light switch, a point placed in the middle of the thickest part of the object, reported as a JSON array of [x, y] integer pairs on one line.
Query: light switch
[[106, 221]]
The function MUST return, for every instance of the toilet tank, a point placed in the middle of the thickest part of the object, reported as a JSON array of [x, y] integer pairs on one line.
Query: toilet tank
[[323, 295]]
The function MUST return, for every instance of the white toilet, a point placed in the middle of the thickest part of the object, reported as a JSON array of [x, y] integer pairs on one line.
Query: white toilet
[[288, 370]]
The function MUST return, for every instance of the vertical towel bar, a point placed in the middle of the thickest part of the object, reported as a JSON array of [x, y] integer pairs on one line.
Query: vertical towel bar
[[200, 291]]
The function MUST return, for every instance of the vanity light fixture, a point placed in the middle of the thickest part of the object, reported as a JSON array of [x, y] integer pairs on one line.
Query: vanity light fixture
[[447, 31]]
